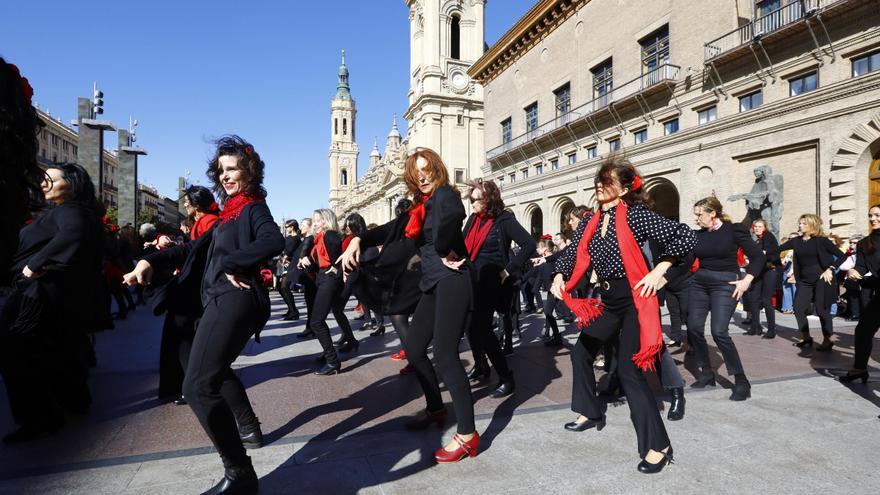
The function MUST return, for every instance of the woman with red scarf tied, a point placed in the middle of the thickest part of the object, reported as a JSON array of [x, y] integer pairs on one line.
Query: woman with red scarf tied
[[225, 263], [487, 236], [326, 251], [608, 243], [447, 295]]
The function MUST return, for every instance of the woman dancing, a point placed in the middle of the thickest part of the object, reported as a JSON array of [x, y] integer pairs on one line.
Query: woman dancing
[[867, 261]]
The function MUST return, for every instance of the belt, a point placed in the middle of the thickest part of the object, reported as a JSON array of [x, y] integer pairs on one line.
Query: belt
[[606, 284]]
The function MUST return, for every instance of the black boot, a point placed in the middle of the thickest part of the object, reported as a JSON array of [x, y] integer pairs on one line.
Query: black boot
[[237, 481], [742, 389], [706, 378], [479, 372], [505, 388], [251, 435], [771, 334], [676, 408]]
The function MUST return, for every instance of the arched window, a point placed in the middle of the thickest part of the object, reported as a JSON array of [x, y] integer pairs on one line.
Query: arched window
[[344, 127], [335, 126], [455, 38], [344, 179]]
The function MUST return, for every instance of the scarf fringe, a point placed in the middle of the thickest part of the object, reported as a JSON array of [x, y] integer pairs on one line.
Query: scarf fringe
[[586, 310], [646, 358]]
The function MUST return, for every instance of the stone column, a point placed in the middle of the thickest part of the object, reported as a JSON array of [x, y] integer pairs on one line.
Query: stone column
[[127, 179], [90, 143], [181, 188]]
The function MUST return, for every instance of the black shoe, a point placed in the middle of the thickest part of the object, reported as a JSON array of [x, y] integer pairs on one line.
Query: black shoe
[[504, 389], [289, 317], [329, 369], [529, 309], [742, 389], [251, 436], [807, 342], [568, 320], [508, 349], [750, 331], [306, 334], [586, 425], [340, 341], [676, 408], [746, 321], [350, 345], [378, 332], [478, 373], [244, 482], [179, 401], [674, 343], [646, 467], [555, 341], [851, 377], [771, 334], [704, 380], [825, 347]]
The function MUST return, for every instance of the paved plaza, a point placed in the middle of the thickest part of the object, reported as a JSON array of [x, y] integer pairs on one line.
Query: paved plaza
[[802, 431]]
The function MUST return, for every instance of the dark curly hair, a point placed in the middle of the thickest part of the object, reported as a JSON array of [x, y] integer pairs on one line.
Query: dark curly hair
[[82, 189], [201, 198], [20, 175], [356, 224], [491, 195], [618, 167], [402, 207], [248, 161]]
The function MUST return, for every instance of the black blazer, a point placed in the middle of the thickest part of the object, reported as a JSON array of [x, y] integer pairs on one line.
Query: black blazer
[[826, 252], [869, 263], [507, 229]]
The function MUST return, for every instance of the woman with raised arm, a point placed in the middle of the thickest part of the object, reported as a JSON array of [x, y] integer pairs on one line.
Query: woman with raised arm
[[442, 313], [608, 243], [815, 260], [867, 273], [487, 235], [226, 262], [325, 253]]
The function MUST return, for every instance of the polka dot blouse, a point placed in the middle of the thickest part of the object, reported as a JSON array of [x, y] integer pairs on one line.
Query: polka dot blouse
[[677, 240]]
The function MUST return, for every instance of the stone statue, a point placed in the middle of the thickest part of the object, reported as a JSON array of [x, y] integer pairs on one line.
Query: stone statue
[[765, 199]]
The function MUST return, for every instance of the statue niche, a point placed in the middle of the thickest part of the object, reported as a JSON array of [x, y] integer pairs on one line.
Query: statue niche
[[764, 200]]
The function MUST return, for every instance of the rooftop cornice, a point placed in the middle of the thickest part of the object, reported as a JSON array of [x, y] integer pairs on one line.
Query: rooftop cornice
[[536, 24]]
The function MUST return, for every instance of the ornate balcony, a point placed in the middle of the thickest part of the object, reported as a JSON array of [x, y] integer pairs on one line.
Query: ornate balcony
[[791, 17], [648, 83]]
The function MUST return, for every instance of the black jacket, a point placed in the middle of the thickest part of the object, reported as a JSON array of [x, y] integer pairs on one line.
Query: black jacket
[[869, 263], [505, 229]]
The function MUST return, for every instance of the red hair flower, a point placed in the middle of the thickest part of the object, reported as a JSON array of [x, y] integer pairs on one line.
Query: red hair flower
[[547, 237], [637, 183], [249, 150], [26, 87]]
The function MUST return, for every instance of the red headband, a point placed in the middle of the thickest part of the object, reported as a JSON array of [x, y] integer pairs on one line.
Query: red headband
[[637, 183]]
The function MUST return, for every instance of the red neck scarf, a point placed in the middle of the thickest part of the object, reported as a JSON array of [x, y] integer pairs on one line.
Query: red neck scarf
[[234, 205], [319, 252], [476, 236], [202, 225], [416, 219], [647, 308]]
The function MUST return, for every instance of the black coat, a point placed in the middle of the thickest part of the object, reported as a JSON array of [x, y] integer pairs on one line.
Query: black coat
[[390, 282], [505, 229]]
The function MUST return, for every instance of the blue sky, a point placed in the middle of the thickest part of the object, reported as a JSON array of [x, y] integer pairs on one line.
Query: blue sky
[[194, 70]]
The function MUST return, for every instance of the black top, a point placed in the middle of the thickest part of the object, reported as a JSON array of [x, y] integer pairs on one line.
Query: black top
[[496, 248], [291, 244], [239, 247], [812, 257], [64, 238], [768, 244], [869, 263], [333, 245], [717, 250], [676, 239]]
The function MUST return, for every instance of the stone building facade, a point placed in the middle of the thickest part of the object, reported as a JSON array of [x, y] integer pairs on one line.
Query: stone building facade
[[697, 95], [445, 111]]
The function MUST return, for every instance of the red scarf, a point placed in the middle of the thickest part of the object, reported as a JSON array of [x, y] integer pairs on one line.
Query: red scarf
[[477, 234], [202, 225], [416, 219], [319, 252], [647, 308], [234, 205]]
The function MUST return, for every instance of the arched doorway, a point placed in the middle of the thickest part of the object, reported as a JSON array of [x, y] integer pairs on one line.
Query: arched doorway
[[874, 184], [665, 197], [536, 221], [563, 208]]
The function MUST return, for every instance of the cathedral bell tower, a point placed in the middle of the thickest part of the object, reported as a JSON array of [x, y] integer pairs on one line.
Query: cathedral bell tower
[[445, 106], [343, 148]]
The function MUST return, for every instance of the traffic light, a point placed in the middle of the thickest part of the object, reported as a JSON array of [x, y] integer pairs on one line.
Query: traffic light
[[98, 102]]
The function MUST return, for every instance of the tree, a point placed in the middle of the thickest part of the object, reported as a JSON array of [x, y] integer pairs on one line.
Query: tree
[[145, 216], [113, 215]]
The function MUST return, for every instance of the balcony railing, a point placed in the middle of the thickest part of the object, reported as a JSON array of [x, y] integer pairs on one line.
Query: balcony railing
[[653, 78], [789, 13]]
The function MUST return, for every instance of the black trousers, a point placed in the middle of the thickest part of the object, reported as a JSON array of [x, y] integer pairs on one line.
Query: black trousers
[[550, 305], [711, 291], [761, 295], [178, 332], [480, 335], [677, 305], [441, 316], [214, 392], [287, 295], [868, 325], [815, 293], [310, 291], [329, 298], [619, 320]]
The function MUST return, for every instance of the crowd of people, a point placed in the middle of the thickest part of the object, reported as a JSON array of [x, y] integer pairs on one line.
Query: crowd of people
[[436, 272]]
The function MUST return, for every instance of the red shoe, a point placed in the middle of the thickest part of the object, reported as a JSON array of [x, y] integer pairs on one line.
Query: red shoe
[[359, 308], [400, 356], [468, 448], [408, 369]]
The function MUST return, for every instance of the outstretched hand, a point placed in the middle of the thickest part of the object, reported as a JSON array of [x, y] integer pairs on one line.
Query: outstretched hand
[[352, 255], [141, 275]]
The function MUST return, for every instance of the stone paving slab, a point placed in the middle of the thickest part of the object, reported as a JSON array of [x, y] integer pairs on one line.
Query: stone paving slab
[[343, 434]]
